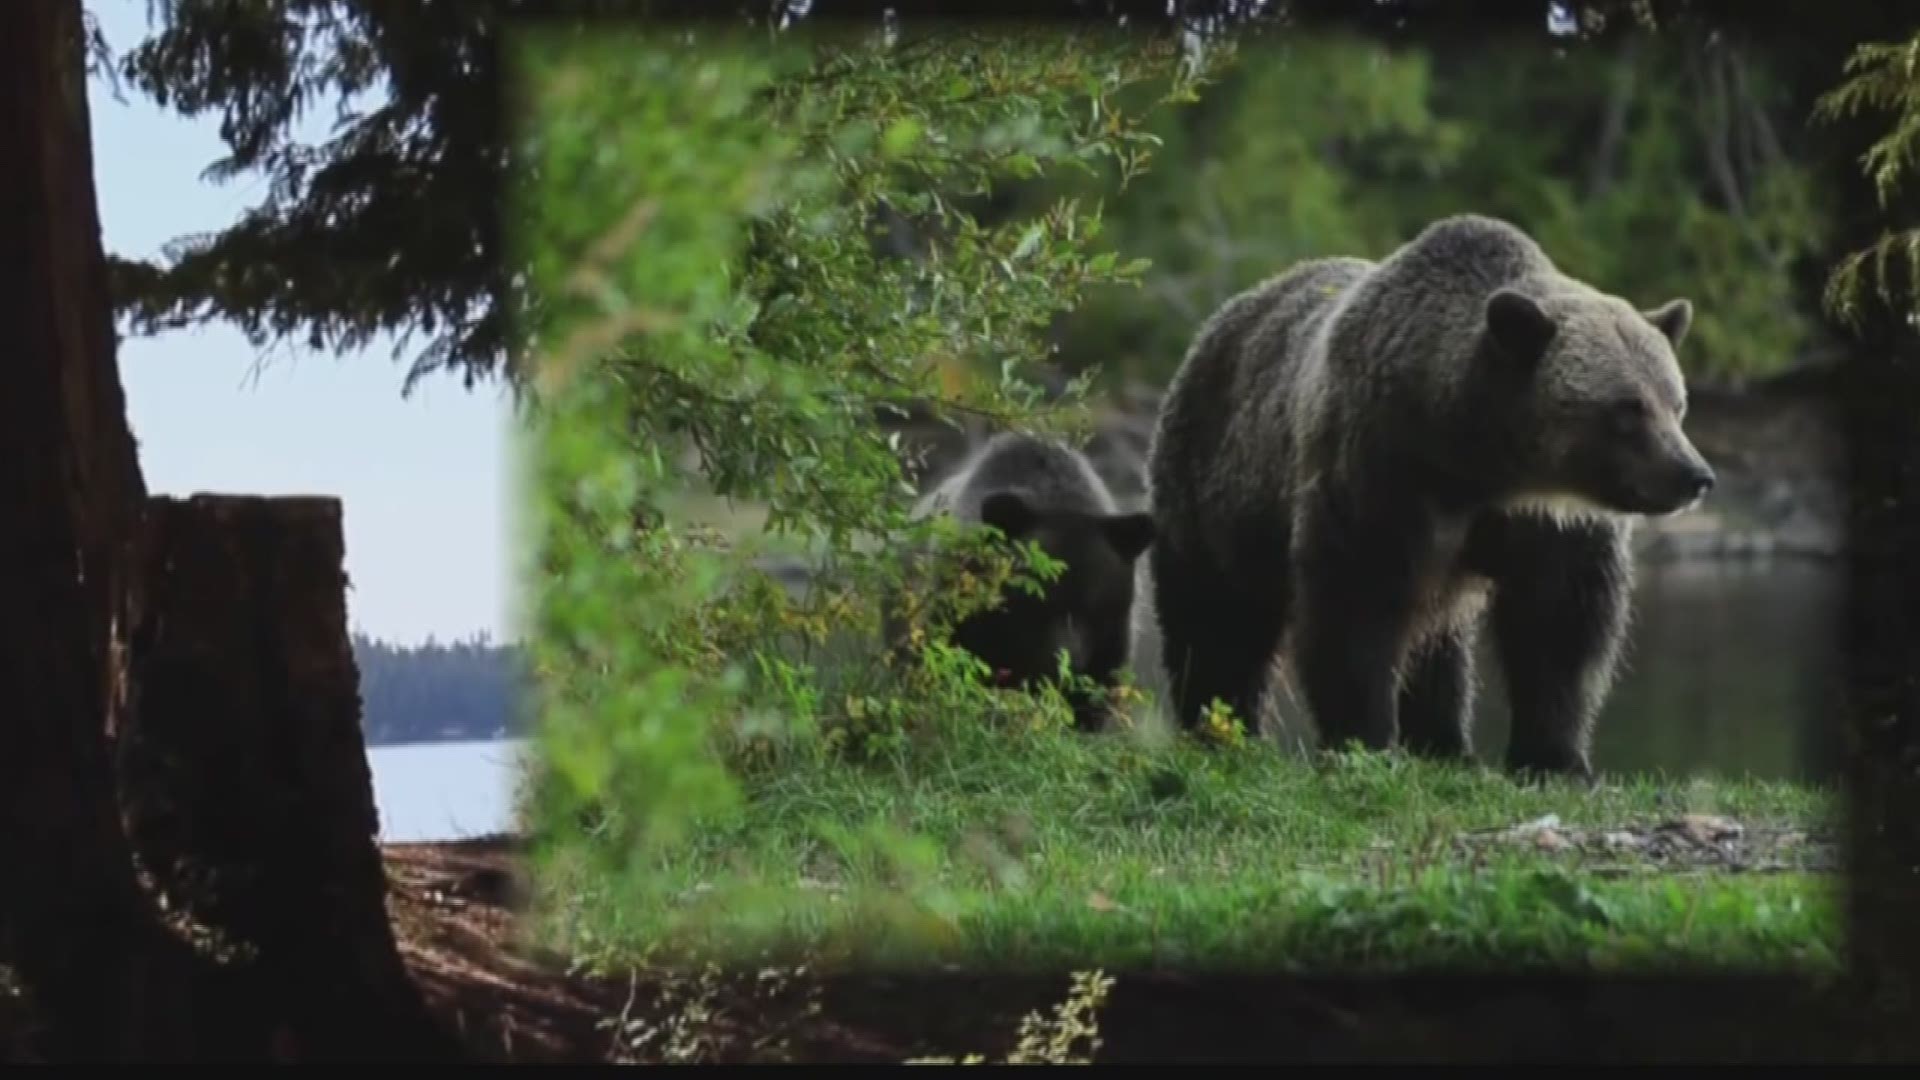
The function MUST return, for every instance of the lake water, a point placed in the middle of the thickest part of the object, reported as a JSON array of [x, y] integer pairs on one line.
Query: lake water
[[1734, 670], [444, 791]]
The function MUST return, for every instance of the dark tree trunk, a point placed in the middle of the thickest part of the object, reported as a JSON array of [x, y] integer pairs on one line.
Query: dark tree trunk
[[73, 919], [244, 771], [274, 702]]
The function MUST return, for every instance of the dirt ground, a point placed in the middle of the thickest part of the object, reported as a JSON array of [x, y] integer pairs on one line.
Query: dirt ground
[[451, 905], [455, 933]]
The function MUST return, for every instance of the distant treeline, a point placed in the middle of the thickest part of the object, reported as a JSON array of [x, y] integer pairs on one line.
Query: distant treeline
[[438, 692]]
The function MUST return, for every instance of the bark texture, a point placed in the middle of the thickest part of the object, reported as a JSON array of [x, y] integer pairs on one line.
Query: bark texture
[[73, 918], [245, 773]]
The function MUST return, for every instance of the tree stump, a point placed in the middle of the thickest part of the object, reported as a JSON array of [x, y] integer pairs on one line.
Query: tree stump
[[244, 771]]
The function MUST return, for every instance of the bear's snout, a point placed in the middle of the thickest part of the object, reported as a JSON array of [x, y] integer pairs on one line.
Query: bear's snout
[[1702, 481], [1684, 481]]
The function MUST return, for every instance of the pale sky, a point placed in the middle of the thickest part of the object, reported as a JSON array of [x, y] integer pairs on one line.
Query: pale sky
[[421, 480]]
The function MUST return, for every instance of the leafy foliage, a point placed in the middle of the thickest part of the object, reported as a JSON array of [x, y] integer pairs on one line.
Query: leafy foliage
[[389, 225], [1881, 78], [709, 293], [1655, 170], [1053, 1042]]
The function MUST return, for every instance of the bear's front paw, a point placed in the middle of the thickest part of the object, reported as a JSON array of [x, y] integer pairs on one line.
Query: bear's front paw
[[1541, 767]]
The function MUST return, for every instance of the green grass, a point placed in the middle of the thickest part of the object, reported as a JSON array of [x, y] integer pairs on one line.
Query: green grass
[[1046, 850], [1039, 849]]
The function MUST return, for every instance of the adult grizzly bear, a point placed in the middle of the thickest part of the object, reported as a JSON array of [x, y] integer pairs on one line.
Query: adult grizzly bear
[[1356, 456], [1033, 488]]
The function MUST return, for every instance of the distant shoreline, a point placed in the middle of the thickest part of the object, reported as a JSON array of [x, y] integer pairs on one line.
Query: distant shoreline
[[444, 740]]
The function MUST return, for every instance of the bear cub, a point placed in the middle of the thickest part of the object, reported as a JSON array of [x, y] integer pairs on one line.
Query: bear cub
[[1357, 459], [1034, 488]]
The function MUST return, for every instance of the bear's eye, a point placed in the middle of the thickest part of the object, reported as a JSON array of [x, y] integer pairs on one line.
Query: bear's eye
[[1627, 412]]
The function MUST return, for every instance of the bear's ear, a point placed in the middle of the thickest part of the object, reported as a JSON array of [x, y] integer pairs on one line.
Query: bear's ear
[[1007, 512], [1673, 318], [1519, 326], [1129, 534]]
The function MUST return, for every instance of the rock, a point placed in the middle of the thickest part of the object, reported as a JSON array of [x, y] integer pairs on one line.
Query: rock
[[1551, 840], [1704, 828], [1544, 833], [1551, 821]]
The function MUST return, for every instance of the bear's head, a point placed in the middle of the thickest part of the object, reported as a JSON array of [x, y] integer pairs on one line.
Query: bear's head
[[1085, 611], [1599, 403]]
